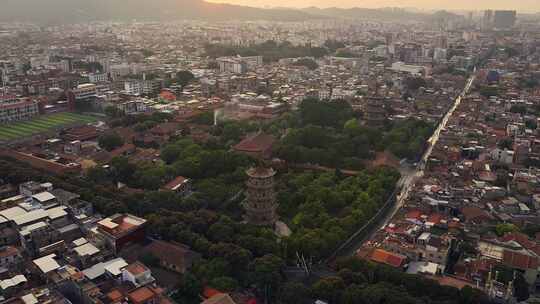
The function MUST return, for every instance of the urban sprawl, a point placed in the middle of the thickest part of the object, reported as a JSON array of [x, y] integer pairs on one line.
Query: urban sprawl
[[324, 161]]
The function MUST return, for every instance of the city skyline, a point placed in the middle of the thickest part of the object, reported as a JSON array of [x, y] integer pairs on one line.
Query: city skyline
[[527, 6]]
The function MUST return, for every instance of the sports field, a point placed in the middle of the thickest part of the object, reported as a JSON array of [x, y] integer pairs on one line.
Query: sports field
[[41, 124]]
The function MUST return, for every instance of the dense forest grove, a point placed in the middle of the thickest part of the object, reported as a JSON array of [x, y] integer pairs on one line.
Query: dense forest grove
[[322, 209]]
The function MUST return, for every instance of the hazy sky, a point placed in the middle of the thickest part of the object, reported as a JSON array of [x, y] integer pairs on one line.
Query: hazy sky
[[521, 5]]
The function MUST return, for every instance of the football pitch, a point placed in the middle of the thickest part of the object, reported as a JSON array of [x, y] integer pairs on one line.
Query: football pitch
[[41, 124]]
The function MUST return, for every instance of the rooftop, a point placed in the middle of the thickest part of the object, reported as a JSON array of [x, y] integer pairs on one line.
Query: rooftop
[[86, 250], [120, 224], [141, 295], [260, 172], [14, 281], [136, 268], [221, 298], [43, 197], [257, 143], [47, 263], [175, 183], [113, 266], [29, 217], [388, 258]]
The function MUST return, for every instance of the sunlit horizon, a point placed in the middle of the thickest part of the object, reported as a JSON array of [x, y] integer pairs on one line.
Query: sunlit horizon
[[528, 6]]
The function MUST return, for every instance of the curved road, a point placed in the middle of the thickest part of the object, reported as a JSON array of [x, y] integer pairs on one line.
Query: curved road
[[409, 177]]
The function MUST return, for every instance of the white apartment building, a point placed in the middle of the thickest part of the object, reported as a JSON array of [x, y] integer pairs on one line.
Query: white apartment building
[[85, 91], [239, 65], [407, 68], [98, 77], [227, 65], [132, 106], [140, 87]]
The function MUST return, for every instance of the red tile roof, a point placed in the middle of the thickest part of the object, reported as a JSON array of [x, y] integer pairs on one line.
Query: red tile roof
[[475, 213], [454, 282], [123, 149], [258, 143], [221, 298], [414, 214], [435, 218], [172, 254], [520, 238], [141, 295], [165, 128], [519, 260], [172, 185], [385, 158], [167, 95], [115, 295], [209, 292], [388, 258]]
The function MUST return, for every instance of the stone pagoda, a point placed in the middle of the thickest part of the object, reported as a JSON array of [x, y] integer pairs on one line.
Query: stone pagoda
[[260, 203]]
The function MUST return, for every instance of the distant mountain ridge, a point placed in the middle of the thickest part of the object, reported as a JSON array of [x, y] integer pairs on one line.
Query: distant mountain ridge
[[58, 11], [69, 11], [382, 14]]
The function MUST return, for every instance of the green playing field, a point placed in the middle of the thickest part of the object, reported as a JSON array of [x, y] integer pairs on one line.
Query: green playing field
[[41, 124]]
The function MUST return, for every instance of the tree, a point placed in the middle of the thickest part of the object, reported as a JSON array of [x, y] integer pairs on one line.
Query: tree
[[189, 290], [150, 178], [147, 53], [318, 52], [329, 289], [346, 54], [224, 284], [352, 127], [321, 113], [333, 45], [266, 274], [184, 78], [205, 118], [531, 124], [354, 294], [143, 126], [122, 170], [232, 132], [505, 143], [110, 141], [113, 112], [213, 268], [517, 108], [150, 259], [221, 232], [489, 91], [171, 153], [511, 52], [294, 292], [97, 175], [308, 63], [237, 256], [502, 229]]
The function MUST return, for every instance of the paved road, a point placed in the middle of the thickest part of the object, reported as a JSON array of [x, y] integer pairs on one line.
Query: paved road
[[409, 176]]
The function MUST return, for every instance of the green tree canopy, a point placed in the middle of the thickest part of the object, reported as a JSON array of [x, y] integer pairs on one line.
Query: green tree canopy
[[110, 141], [184, 78]]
